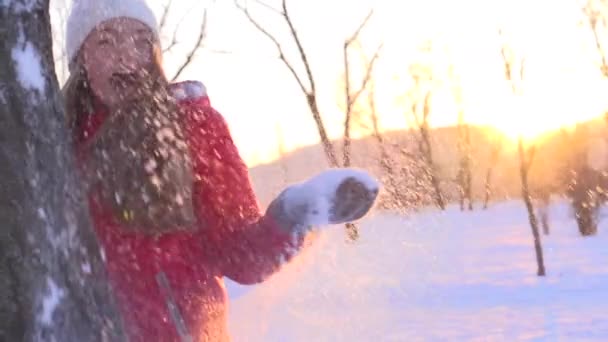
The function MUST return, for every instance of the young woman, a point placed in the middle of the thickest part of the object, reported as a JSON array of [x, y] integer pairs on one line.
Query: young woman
[[170, 197]]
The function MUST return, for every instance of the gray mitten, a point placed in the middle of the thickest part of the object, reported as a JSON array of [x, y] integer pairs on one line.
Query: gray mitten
[[332, 197]]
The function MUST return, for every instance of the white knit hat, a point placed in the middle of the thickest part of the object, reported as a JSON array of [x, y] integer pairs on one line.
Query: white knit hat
[[87, 14]]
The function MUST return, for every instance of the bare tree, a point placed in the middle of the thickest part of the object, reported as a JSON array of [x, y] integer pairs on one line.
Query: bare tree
[[425, 146], [352, 95], [53, 285], [541, 196], [169, 35], [596, 12], [420, 98], [402, 175], [494, 154], [396, 194], [585, 188], [305, 82], [525, 162], [514, 74], [464, 177], [588, 186]]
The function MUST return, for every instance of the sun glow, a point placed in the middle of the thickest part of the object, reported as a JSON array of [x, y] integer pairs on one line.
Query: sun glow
[[531, 116]]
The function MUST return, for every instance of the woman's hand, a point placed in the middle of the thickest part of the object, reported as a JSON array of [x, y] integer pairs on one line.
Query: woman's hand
[[332, 197]]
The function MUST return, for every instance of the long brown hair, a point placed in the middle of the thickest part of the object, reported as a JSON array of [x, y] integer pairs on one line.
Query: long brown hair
[[144, 177]]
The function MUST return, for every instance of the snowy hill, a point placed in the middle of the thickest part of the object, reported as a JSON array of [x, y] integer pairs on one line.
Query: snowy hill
[[434, 277], [552, 151]]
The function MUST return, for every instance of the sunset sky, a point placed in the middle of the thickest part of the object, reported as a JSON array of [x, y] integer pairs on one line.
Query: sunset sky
[[256, 93]]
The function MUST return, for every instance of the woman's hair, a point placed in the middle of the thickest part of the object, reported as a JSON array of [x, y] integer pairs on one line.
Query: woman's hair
[[78, 96], [139, 172]]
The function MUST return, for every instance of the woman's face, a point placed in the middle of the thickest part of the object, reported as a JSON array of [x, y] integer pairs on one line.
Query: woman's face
[[116, 56]]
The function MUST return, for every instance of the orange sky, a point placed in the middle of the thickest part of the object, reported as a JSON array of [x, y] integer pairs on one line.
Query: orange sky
[[255, 92]]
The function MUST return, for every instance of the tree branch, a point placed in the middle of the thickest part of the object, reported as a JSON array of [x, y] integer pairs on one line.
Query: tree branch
[[163, 18], [310, 94], [268, 7], [530, 157], [593, 22], [260, 28], [296, 38], [199, 43], [174, 41], [361, 26], [350, 99], [427, 108], [368, 74], [414, 111]]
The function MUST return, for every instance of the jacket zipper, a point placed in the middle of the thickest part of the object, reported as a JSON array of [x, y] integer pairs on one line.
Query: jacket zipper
[[176, 316]]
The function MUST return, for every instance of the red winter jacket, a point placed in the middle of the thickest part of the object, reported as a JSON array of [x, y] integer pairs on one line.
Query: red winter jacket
[[184, 269]]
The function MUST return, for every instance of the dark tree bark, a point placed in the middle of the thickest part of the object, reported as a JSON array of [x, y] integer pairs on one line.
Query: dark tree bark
[[53, 284], [525, 161]]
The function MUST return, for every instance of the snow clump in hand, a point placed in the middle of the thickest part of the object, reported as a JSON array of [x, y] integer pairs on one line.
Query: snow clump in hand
[[334, 196]]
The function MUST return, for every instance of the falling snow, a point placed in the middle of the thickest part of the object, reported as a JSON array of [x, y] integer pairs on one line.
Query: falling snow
[[50, 301], [2, 94], [28, 65], [317, 193], [450, 276], [42, 213], [21, 6]]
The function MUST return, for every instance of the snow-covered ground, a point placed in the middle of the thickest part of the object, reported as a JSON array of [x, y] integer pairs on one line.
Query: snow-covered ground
[[435, 277]]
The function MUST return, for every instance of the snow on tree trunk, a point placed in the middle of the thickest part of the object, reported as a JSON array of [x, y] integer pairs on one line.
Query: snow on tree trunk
[[53, 284]]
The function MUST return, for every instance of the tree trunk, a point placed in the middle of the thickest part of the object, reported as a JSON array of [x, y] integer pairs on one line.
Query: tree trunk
[[488, 183], [427, 153], [524, 166], [465, 176], [349, 108], [543, 213], [488, 187], [467, 169], [53, 285], [347, 142], [328, 147], [585, 219], [352, 231], [543, 202], [392, 185], [585, 200], [465, 191]]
